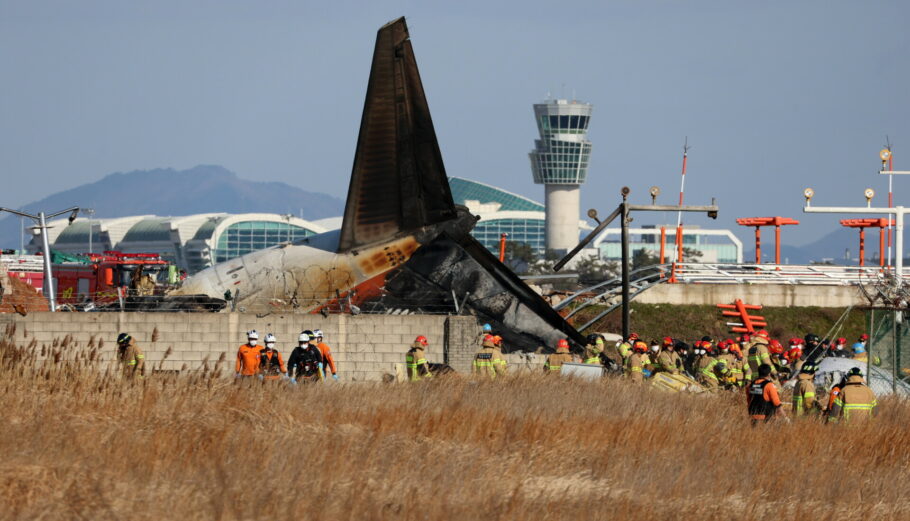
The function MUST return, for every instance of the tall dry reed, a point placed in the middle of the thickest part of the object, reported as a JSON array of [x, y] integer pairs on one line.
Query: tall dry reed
[[78, 442]]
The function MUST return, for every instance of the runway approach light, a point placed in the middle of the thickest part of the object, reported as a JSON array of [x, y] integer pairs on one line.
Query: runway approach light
[[654, 191], [808, 193], [885, 155], [869, 193]]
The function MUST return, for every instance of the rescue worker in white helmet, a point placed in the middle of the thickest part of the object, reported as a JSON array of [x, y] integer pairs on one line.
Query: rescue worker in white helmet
[[327, 358], [271, 365], [305, 364], [247, 364]]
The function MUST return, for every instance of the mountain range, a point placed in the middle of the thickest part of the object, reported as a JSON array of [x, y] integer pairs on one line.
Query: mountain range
[[169, 192]]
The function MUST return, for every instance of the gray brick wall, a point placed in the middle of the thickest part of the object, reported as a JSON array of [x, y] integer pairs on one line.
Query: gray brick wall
[[365, 346]]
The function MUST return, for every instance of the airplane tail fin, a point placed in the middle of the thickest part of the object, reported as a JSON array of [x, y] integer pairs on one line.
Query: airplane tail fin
[[398, 181]]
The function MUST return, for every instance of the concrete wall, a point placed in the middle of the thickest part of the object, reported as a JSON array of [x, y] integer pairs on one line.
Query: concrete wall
[[775, 295], [364, 346]]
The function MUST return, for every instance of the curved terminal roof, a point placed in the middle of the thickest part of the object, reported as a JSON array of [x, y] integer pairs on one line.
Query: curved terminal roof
[[154, 229], [466, 190]]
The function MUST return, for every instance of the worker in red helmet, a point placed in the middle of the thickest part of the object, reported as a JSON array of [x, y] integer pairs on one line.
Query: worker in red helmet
[[555, 360], [706, 365], [838, 348], [489, 361], [668, 360], [759, 353], [635, 366], [416, 360], [726, 365], [794, 356]]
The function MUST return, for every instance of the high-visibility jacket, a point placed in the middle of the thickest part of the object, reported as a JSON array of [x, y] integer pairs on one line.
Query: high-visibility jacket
[[804, 395], [625, 351], [327, 357], [861, 357], [854, 402], [489, 362], [762, 400], [271, 366], [417, 366], [554, 361], [592, 354], [730, 369], [133, 360], [705, 371], [247, 360], [669, 362], [635, 367], [758, 355]]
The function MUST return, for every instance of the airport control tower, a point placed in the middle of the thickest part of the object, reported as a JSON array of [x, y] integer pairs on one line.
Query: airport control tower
[[559, 161]]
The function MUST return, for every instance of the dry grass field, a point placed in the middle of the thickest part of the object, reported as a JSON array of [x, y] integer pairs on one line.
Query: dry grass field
[[79, 443]]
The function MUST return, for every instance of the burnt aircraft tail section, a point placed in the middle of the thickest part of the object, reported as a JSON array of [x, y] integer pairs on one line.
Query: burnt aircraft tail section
[[398, 182]]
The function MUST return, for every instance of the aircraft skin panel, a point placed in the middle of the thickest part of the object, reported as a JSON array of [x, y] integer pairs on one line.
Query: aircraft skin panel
[[398, 180]]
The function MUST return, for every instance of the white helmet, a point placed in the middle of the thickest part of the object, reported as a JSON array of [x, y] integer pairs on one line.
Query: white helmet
[[253, 335], [270, 339], [303, 337], [317, 333]]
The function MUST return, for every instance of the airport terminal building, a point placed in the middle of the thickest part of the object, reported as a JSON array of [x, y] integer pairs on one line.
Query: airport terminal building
[[192, 242]]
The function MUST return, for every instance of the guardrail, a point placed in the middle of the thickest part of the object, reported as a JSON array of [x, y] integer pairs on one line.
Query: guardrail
[[697, 273]]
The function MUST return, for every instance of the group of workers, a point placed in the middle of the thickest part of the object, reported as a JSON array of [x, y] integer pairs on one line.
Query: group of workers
[[756, 363]]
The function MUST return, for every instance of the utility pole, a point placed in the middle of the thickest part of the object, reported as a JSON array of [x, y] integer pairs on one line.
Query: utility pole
[[41, 220], [624, 210]]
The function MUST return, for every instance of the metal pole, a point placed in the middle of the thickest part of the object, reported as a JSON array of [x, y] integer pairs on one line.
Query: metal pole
[[49, 292], [894, 348], [899, 246], [758, 245], [862, 246], [626, 304], [869, 344]]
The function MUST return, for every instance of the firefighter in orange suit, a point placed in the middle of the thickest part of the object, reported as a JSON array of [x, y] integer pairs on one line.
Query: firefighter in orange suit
[[247, 364], [554, 361], [327, 357], [762, 399], [271, 366]]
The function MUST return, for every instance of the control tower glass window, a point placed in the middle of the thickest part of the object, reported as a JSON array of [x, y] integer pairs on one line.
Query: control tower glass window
[[562, 153]]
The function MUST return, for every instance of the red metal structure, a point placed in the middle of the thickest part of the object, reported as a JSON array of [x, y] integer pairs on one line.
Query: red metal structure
[[880, 223], [502, 247], [758, 222], [749, 322]]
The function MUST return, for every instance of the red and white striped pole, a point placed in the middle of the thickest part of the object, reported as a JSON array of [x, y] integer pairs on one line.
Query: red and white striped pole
[[682, 191]]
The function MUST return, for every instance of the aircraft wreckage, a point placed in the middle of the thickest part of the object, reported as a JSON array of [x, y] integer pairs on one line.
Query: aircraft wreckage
[[403, 244]]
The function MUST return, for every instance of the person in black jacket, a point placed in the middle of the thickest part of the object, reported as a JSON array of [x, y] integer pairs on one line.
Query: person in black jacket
[[306, 363]]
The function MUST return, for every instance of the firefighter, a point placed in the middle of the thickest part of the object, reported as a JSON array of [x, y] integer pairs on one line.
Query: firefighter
[[794, 356], [498, 363], [247, 364], [859, 352], [554, 361], [804, 402], [635, 366], [625, 347], [738, 367], [812, 347], [487, 329], [271, 366], [485, 361], [668, 360], [726, 365], [759, 354], [838, 348], [132, 359], [306, 363], [762, 400], [855, 402], [326, 351], [593, 349], [706, 365], [416, 360]]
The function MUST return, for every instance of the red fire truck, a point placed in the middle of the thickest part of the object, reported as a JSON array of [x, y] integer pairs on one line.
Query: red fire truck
[[110, 275]]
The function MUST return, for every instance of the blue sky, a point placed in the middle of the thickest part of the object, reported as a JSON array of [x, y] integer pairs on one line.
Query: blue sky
[[774, 96]]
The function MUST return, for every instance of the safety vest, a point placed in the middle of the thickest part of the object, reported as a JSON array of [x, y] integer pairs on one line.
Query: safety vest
[[483, 363], [848, 406], [708, 370], [413, 361], [758, 406]]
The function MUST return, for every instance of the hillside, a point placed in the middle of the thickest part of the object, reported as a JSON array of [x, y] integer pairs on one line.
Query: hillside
[[165, 191], [691, 322]]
